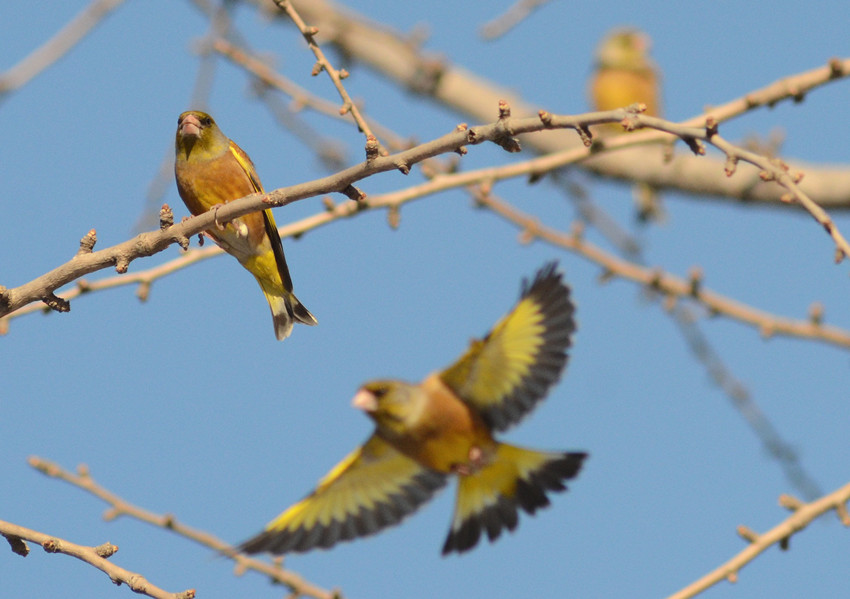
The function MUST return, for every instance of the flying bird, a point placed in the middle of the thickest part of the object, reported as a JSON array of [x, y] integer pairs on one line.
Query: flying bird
[[443, 426], [212, 170]]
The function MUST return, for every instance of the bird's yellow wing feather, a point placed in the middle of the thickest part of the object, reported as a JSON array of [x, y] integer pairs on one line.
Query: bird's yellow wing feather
[[375, 486], [505, 374]]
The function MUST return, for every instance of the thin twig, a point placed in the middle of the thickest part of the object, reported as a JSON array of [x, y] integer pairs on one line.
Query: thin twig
[[804, 513], [516, 14], [323, 64], [120, 507], [94, 556]]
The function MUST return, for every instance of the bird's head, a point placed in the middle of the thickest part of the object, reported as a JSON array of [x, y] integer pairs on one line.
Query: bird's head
[[198, 136], [625, 48], [391, 404]]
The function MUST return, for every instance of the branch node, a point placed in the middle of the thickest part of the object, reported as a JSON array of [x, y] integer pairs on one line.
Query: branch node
[[317, 68], [585, 135], [545, 117], [606, 275], [504, 110], [121, 265], [843, 514], [144, 290], [711, 127], [403, 168], [56, 303], [695, 278], [816, 313], [352, 193], [577, 231], [696, 146], [731, 165], [51, 546], [87, 243], [106, 550], [835, 68], [343, 74], [526, 236], [747, 534], [839, 256], [373, 148], [328, 204], [789, 502], [394, 216], [18, 545], [166, 217]]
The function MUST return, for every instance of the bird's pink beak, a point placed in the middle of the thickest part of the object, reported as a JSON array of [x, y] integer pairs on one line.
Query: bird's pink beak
[[365, 400], [190, 126]]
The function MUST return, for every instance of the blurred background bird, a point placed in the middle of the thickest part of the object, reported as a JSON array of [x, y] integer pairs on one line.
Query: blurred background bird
[[444, 426], [211, 170], [624, 74]]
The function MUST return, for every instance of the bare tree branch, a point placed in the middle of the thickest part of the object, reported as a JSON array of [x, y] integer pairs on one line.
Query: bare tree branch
[[804, 513], [94, 556], [516, 14], [120, 507], [398, 58]]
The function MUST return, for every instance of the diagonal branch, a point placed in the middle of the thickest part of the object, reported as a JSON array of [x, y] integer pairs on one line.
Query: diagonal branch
[[56, 47], [120, 507], [804, 514], [94, 556]]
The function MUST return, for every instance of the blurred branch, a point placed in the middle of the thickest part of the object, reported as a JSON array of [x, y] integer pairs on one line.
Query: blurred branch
[[301, 98], [94, 556], [56, 47], [804, 513], [120, 507], [336, 76], [516, 14], [687, 322], [398, 58], [674, 288], [655, 281]]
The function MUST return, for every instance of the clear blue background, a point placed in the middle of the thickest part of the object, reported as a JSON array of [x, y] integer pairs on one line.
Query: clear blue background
[[187, 404]]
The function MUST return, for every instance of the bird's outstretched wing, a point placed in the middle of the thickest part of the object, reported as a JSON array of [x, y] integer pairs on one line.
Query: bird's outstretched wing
[[375, 486], [505, 374]]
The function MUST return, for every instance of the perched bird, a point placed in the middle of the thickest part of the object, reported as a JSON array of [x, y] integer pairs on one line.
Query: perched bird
[[212, 170], [625, 74], [444, 426]]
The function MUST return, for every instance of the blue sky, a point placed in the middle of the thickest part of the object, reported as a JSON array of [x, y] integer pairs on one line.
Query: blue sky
[[187, 404]]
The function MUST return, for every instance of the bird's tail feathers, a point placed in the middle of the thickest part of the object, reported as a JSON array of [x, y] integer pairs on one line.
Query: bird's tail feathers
[[287, 310], [487, 500]]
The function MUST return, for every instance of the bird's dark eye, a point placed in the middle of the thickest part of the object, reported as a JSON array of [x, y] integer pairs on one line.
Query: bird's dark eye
[[379, 392], [206, 121]]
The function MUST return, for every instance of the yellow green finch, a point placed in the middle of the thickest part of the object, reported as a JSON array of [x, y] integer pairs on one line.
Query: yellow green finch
[[443, 426], [212, 170], [625, 74]]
